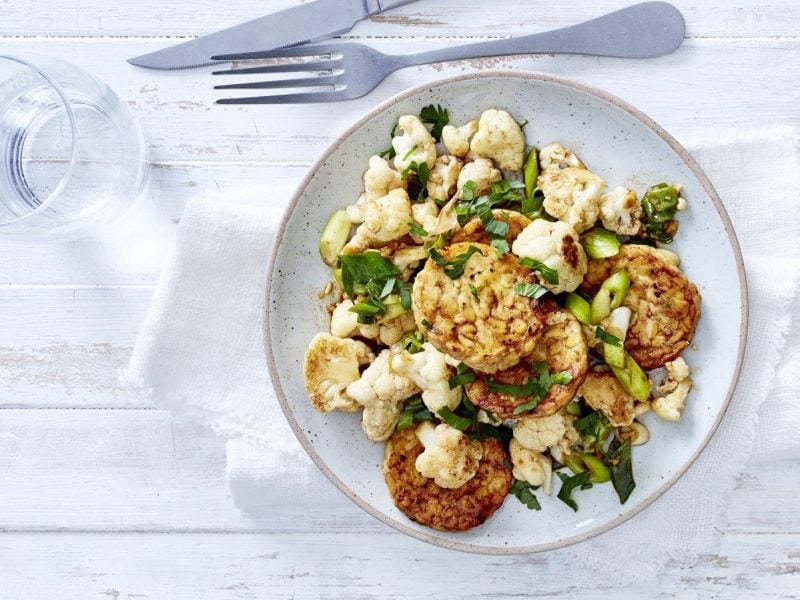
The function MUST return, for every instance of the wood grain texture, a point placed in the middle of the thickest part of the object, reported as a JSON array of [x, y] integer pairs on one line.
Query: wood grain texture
[[105, 497], [350, 566], [711, 18], [135, 470], [182, 123]]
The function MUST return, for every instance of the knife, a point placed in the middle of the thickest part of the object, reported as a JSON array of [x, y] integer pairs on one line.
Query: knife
[[308, 22]]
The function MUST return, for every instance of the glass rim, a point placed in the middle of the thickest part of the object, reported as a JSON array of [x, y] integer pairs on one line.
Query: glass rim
[[40, 72]]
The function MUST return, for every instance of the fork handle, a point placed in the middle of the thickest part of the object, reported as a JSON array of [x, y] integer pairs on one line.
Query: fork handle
[[645, 30]]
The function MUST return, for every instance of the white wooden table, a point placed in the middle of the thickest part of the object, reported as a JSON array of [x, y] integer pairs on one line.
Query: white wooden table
[[102, 496]]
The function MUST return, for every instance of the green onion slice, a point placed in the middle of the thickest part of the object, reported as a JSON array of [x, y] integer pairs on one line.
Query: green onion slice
[[599, 243]]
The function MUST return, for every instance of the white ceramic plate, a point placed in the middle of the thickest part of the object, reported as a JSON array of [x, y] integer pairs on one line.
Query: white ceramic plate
[[625, 148]]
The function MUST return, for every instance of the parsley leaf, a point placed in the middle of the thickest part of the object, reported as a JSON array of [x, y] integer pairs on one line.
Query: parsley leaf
[[535, 388], [524, 493], [453, 268], [436, 116], [530, 290], [569, 484], [416, 175], [548, 274], [365, 267]]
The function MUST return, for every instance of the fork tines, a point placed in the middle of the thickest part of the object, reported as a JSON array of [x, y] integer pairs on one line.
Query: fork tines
[[297, 64]]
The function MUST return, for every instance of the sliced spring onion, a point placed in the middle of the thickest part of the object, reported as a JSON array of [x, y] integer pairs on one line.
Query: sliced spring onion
[[599, 243], [598, 471], [337, 275], [365, 308], [633, 379], [393, 311], [579, 307], [615, 332], [412, 342], [610, 296], [462, 377], [573, 408], [531, 172], [334, 237]]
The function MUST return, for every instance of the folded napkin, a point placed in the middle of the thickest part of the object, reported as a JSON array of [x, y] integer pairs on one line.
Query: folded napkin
[[200, 354]]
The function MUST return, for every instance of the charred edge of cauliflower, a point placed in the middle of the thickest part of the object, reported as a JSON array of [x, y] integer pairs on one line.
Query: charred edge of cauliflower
[[443, 178], [330, 366], [482, 173], [557, 245], [572, 195], [555, 156], [621, 212], [450, 458], [675, 389]]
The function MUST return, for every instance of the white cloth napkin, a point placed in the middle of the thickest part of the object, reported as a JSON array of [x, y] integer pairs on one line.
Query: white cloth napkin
[[200, 354]]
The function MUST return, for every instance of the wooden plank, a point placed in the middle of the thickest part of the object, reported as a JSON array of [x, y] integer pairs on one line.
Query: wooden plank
[[133, 252], [134, 470], [427, 18], [354, 566], [182, 123]]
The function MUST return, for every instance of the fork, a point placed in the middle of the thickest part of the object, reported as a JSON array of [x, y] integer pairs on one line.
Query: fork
[[344, 71]]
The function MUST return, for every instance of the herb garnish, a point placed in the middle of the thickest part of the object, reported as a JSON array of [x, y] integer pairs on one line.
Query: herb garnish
[[465, 418], [453, 268], [548, 274], [621, 466], [530, 290], [463, 376], [473, 290], [535, 388], [524, 493], [390, 152], [455, 421], [414, 411], [436, 116], [602, 335], [416, 176], [369, 278], [594, 429], [412, 342], [569, 484], [416, 230]]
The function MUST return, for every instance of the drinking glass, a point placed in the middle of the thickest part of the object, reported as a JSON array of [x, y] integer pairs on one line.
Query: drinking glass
[[72, 155]]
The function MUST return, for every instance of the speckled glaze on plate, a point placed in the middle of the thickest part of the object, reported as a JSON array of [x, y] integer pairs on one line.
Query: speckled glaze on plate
[[624, 147]]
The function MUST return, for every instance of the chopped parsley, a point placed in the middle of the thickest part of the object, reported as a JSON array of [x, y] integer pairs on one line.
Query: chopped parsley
[[524, 493], [368, 278], [546, 273], [436, 116], [416, 176], [412, 342], [453, 268], [410, 152]]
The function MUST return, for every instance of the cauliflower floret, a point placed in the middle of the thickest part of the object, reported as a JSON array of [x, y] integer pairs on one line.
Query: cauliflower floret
[[621, 212], [379, 179], [429, 370], [675, 387], [332, 364], [482, 173], [425, 214], [557, 245], [456, 139], [568, 440], [385, 219], [500, 137], [444, 177], [414, 144], [450, 458], [603, 392], [387, 332], [408, 258], [555, 156], [572, 195], [380, 392], [540, 433], [531, 466], [343, 321]]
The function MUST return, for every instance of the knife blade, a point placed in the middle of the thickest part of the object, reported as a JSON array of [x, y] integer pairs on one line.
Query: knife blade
[[308, 22]]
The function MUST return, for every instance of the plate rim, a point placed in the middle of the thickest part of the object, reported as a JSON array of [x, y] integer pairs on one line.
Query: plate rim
[[432, 537]]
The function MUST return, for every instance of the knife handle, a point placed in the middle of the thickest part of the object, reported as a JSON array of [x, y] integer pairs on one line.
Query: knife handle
[[378, 6]]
